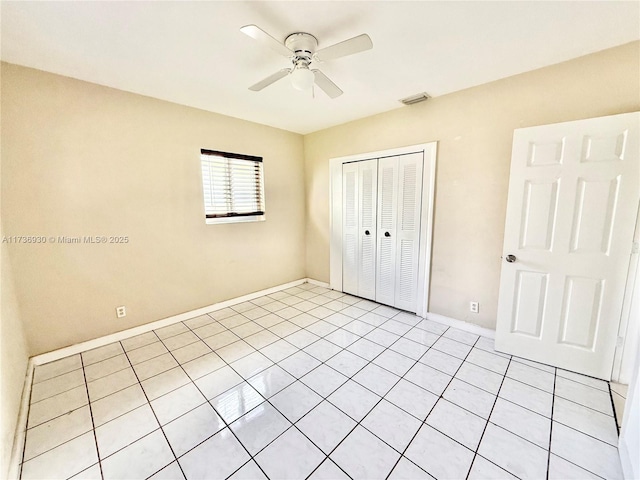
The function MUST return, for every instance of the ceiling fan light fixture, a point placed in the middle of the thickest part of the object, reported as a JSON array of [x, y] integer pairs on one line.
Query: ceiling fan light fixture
[[302, 78]]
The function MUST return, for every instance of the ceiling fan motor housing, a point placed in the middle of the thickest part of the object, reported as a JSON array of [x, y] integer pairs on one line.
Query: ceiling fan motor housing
[[303, 45]]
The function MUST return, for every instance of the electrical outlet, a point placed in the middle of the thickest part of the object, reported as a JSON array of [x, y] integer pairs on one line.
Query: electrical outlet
[[121, 311], [474, 307]]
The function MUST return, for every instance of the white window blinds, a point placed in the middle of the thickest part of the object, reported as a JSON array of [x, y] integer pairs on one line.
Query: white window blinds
[[232, 185]]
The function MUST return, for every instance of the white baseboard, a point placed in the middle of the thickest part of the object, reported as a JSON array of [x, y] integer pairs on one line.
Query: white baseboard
[[147, 327], [317, 282], [460, 325]]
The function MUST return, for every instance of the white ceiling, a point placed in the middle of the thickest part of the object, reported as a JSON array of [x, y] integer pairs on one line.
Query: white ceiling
[[193, 53]]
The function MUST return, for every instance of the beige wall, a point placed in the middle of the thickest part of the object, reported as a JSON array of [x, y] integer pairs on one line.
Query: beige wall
[[474, 130], [81, 159], [13, 362]]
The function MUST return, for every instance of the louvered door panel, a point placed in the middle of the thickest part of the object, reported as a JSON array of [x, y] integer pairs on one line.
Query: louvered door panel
[[386, 232], [350, 223], [408, 230], [368, 186], [381, 229]]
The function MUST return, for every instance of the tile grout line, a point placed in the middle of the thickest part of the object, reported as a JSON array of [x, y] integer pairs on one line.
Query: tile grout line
[[208, 401], [386, 348], [57, 416], [55, 376], [358, 422], [299, 349], [276, 364], [47, 421], [179, 363], [93, 424], [551, 420], [613, 407], [382, 397], [266, 400], [581, 467], [555, 394], [475, 454], [371, 361], [241, 376], [175, 458], [553, 401], [59, 393], [298, 379], [564, 398], [302, 328], [112, 373], [585, 434], [424, 422]]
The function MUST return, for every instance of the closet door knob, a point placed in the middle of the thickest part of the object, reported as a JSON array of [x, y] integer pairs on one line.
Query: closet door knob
[[511, 258], [366, 232], [387, 234]]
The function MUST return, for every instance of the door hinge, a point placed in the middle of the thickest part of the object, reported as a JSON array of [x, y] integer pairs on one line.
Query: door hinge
[[635, 247]]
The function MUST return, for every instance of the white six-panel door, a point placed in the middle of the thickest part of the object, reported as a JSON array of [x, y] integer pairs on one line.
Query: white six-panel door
[[571, 211]]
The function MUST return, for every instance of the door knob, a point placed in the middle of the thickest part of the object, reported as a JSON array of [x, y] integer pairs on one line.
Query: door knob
[[387, 234], [511, 258], [366, 232]]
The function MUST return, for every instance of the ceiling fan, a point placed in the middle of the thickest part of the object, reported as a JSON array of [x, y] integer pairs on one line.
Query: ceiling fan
[[301, 49]]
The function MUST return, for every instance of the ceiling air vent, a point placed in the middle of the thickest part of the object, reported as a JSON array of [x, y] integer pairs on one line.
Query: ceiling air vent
[[420, 97]]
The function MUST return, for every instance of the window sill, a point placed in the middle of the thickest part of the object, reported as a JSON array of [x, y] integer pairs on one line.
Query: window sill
[[253, 218]]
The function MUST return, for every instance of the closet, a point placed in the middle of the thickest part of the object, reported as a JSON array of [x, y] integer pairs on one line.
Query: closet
[[381, 228]]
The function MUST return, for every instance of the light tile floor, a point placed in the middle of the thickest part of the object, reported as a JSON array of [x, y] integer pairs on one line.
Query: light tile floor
[[310, 383]]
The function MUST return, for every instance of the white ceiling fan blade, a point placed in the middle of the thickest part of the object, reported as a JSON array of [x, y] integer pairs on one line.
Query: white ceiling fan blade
[[326, 85], [270, 79], [348, 47], [263, 37]]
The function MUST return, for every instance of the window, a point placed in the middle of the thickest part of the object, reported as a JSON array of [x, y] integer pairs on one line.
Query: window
[[233, 187]]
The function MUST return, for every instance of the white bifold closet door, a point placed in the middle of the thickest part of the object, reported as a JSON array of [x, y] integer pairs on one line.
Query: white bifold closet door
[[398, 232], [381, 229], [359, 228]]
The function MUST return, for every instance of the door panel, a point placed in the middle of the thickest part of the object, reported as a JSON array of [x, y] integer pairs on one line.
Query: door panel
[[593, 215], [571, 212], [408, 230], [368, 186], [530, 297], [350, 250], [539, 209], [582, 302], [386, 232]]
